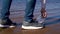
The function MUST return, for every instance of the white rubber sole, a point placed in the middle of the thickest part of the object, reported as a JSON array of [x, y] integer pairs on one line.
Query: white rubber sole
[[31, 27], [6, 26]]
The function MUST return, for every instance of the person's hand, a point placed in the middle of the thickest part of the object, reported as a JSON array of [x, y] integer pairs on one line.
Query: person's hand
[[43, 13]]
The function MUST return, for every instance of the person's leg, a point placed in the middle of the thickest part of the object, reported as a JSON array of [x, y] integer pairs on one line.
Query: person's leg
[[29, 16], [5, 9], [4, 18], [29, 10]]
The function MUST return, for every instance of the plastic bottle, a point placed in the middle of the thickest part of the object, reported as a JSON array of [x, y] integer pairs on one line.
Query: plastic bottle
[[40, 19]]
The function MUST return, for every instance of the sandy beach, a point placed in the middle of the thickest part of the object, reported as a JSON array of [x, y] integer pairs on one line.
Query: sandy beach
[[52, 22]]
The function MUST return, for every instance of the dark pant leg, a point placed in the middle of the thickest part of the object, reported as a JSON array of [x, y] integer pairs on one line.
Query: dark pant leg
[[29, 10], [5, 8]]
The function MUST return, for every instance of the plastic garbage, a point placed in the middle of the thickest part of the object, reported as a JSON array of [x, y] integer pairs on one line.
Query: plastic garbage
[[40, 19]]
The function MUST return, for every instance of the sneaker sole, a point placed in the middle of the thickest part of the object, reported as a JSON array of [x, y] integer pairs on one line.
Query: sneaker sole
[[6, 26], [31, 27]]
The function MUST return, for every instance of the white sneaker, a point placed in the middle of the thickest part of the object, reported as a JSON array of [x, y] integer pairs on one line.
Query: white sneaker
[[31, 27], [2, 25], [27, 25], [7, 26]]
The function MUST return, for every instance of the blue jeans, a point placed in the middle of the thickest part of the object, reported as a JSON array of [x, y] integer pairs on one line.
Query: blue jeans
[[28, 11], [5, 9]]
